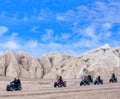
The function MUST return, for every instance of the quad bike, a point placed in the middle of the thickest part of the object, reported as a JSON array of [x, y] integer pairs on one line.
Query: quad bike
[[113, 79], [60, 84], [13, 87], [86, 81], [98, 81]]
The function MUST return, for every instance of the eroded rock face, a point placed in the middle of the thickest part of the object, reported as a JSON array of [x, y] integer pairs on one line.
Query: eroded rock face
[[20, 64], [3, 65], [102, 61]]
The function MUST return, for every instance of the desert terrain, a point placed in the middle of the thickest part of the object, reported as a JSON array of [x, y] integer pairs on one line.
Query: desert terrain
[[35, 74], [43, 89]]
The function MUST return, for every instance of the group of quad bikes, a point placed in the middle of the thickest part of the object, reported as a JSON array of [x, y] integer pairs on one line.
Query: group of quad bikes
[[16, 84], [87, 80]]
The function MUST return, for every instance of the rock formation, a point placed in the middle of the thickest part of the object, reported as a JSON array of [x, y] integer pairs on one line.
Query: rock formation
[[101, 61]]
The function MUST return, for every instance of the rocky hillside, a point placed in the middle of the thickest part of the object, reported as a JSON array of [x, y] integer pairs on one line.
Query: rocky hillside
[[102, 61]]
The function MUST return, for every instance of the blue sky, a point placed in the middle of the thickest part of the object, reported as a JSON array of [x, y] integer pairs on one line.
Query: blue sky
[[73, 26]]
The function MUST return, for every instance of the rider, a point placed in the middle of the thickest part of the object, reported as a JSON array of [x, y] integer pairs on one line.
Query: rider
[[16, 82], [60, 79], [113, 75], [99, 78]]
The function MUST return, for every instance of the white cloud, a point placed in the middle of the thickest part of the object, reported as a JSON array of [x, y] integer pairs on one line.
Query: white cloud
[[94, 22], [10, 45], [45, 14], [101, 12], [36, 48], [75, 24], [13, 37], [25, 18], [90, 31], [108, 34], [107, 25], [48, 35], [54, 46], [65, 36], [3, 29], [85, 43], [32, 44], [60, 17], [68, 16], [49, 32], [35, 28]]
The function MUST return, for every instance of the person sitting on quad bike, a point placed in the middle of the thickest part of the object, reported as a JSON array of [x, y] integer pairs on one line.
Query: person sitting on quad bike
[[60, 82], [14, 85], [90, 78], [113, 78], [86, 80], [16, 82], [98, 81]]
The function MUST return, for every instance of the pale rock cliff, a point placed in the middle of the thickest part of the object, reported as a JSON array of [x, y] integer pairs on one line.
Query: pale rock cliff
[[101, 61]]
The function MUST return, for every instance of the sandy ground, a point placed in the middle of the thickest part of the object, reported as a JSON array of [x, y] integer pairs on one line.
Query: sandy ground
[[43, 89]]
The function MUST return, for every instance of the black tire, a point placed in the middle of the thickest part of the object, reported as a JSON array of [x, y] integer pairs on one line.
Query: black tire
[[11, 89], [87, 82], [64, 85], [55, 84], [81, 83], [95, 82], [115, 80], [7, 88], [20, 88], [101, 81], [110, 80], [91, 80]]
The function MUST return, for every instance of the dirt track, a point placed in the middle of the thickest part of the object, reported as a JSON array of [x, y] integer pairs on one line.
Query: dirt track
[[43, 89]]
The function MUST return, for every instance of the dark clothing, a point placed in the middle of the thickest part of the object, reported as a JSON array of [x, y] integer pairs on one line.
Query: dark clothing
[[99, 77], [60, 79], [16, 82], [113, 75]]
